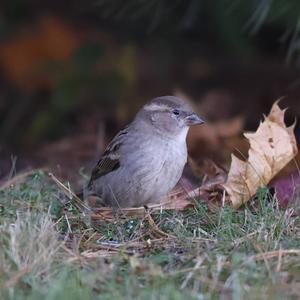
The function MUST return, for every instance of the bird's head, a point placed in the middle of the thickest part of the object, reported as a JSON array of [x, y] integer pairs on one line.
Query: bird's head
[[169, 115]]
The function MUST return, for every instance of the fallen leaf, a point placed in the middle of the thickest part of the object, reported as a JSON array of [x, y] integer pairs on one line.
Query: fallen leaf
[[211, 189], [210, 141], [272, 146], [287, 190]]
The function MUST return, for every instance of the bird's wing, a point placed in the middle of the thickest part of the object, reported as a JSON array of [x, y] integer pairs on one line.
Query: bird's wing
[[110, 160]]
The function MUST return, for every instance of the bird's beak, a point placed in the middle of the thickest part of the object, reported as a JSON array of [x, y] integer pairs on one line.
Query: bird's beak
[[193, 119]]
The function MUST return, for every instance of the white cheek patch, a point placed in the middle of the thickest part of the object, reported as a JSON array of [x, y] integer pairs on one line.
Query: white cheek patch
[[156, 107]]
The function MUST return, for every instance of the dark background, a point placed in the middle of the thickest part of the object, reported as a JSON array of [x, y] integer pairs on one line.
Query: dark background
[[73, 72]]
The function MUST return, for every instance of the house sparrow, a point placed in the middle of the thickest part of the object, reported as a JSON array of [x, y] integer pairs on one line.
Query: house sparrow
[[145, 160]]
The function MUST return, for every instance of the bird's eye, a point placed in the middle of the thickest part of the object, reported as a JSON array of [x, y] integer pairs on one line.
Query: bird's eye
[[175, 112]]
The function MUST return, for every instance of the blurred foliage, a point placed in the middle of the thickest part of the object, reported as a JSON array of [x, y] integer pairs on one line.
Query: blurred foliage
[[53, 74], [228, 21], [77, 84], [50, 88]]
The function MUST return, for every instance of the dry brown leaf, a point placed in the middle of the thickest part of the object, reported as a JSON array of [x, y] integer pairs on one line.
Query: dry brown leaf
[[210, 141], [213, 133], [272, 146], [211, 189]]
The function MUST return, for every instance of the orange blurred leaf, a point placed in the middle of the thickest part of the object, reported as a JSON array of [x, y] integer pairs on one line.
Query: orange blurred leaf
[[22, 56]]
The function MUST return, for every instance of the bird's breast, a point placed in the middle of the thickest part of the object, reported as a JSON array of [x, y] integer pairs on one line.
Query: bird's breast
[[157, 166], [158, 154]]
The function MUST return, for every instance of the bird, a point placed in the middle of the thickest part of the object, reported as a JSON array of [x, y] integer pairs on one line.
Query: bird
[[145, 160]]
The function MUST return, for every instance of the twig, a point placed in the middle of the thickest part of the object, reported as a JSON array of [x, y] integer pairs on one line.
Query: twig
[[69, 226], [69, 193], [156, 229], [264, 258], [271, 254], [192, 272], [279, 260], [239, 241]]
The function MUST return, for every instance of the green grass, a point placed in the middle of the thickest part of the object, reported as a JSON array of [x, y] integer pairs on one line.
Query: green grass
[[51, 250]]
